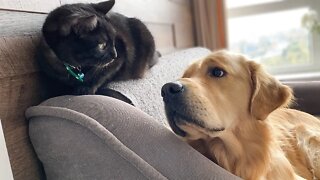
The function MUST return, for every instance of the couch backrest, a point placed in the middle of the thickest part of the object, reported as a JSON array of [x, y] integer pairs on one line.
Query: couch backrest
[[20, 82]]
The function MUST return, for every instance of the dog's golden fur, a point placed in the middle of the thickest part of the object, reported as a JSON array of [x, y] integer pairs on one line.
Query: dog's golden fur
[[260, 138]]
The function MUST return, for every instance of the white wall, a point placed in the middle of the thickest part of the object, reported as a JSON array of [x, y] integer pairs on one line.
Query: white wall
[[5, 168]]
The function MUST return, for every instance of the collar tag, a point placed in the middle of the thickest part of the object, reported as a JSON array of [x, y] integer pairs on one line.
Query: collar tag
[[74, 71]]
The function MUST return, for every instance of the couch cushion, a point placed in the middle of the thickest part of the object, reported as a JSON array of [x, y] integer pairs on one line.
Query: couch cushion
[[98, 137]]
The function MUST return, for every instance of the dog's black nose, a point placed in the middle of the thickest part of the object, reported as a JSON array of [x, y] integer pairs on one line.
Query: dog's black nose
[[172, 88]]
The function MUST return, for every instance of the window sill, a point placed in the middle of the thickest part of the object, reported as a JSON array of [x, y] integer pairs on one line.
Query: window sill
[[314, 76]]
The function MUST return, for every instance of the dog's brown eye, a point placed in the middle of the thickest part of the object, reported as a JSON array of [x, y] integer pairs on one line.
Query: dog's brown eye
[[217, 72], [102, 46]]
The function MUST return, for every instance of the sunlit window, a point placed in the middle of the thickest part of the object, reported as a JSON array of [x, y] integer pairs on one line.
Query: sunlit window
[[272, 33]]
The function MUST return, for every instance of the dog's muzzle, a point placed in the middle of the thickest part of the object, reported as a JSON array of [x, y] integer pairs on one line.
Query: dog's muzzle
[[172, 94], [180, 109]]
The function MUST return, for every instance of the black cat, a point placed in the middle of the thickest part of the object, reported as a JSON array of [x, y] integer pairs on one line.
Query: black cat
[[86, 46]]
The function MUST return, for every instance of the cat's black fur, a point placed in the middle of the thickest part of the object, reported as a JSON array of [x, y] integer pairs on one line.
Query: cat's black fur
[[105, 45]]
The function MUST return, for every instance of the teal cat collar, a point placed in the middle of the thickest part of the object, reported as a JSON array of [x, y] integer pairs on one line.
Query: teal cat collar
[[74, 71]]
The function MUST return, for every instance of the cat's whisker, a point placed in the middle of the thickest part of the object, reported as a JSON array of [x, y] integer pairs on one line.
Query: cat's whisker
[[109, 63]]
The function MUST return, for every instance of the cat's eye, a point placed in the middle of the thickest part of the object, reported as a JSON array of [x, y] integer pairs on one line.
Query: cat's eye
[[217, 72], [102, 46]]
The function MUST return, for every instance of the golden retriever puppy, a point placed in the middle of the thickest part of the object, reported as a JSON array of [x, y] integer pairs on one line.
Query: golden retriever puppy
[[234, 113]]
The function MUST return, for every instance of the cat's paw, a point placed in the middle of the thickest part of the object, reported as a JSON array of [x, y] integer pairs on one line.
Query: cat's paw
[[84, 90], [154, 60]]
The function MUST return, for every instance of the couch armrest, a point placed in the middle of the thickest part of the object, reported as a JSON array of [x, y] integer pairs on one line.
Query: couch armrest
[[307, 94], [98, 137]]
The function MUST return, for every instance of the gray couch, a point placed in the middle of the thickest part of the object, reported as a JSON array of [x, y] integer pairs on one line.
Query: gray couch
[[98, 137]]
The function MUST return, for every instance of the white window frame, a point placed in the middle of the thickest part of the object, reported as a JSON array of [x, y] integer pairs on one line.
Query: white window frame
[[277, 6]]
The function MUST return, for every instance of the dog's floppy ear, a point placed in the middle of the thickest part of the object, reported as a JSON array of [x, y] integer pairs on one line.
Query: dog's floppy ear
[[268, 93]]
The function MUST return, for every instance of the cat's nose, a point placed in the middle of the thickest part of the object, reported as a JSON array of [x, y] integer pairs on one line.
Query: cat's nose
[[114, 53]]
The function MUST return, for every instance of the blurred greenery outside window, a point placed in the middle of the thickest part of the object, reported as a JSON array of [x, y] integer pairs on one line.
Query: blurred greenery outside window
[[283, 35]]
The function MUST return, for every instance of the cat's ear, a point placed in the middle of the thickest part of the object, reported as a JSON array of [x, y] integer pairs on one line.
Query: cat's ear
[[85, 24], [104, 7], [63, 29]]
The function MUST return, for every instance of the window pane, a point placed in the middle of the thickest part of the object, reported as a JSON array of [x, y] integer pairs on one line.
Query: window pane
[[240, 3], [274, 39]]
